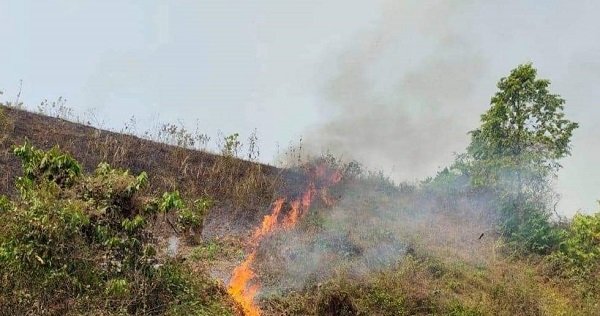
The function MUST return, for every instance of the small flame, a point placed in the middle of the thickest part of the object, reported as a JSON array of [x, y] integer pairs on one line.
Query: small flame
[[242, 286]]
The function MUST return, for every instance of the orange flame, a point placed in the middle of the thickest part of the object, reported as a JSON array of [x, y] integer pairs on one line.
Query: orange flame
[[240, 286]]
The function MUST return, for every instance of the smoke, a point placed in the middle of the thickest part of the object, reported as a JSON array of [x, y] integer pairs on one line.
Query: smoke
[[401, 96], [371, 227]]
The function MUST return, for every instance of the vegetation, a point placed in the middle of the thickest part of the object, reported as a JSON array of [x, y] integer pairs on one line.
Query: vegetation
[[76, 243], [515, 154], [194, 173], [426, 286], [84, 237], [578, 256], [502, 184]]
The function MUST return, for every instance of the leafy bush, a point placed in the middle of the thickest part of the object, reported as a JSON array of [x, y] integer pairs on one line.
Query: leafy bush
[[537, 234], [52, 166], [516, 152], [188, 217], [194, 217], [579, 250], [73, 243]]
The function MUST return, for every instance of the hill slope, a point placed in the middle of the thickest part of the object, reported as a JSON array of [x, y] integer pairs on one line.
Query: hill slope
[[359, 245], [241, 188]]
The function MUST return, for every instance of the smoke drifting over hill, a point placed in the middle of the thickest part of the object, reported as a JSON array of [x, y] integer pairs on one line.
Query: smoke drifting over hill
[[402, 96]]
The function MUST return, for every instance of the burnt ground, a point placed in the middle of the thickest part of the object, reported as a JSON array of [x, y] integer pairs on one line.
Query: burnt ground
[[242, 189]]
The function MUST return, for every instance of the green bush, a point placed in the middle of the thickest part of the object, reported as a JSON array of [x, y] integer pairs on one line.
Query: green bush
[[534, 234], [73, 243], [193, 217], [52, 166], [579, 250], [188, 217]]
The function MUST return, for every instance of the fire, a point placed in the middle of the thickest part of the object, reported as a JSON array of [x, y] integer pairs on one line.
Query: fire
[[242, 287]]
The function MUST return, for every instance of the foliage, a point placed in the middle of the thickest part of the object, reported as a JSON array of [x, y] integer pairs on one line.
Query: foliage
[[5, 204], [515, 152], [424, 286], [579, 250], [52, 166], [537, 234], [194, 216], [189, 217], [75, 242], [525, 124]]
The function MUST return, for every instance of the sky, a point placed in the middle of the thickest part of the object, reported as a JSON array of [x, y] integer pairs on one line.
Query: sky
[[395, 84]]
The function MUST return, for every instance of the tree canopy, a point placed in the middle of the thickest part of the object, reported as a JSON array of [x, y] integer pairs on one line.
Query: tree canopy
[[525, 125]]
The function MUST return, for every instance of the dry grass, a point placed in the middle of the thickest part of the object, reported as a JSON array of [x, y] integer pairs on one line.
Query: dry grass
[[236, 184], [423, 285]]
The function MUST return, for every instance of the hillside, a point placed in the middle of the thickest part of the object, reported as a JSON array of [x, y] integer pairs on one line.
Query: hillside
[[236, 184], [325, 238]]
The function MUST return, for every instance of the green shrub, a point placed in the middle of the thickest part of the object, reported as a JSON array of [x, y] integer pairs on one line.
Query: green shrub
[[536, 234], [53, 166], [73, 243], [5, 204], [188, 217], [580, 247], [193, 217]]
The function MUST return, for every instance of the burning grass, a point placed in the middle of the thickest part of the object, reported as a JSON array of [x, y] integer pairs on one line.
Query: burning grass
[[399, 250], [243, 287]]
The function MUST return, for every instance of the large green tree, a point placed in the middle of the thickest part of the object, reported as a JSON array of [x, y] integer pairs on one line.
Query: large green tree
[[521, 139], [525, 122]]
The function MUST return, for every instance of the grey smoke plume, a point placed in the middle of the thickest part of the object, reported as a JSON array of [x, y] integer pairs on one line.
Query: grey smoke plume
[[401, 96]]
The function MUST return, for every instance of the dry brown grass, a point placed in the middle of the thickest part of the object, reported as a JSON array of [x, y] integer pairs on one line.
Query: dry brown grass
[[241, 189], [229, 180], [6, 125]]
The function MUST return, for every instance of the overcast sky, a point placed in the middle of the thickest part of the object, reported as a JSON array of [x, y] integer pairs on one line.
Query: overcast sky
[[397, 84]]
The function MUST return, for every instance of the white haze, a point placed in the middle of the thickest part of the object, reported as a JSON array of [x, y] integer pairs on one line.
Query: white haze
[[397, 84]]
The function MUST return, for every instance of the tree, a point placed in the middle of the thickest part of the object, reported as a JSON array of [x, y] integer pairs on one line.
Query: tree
[[521, 139], [525, 122]]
